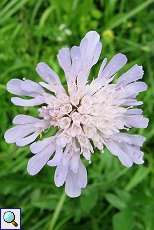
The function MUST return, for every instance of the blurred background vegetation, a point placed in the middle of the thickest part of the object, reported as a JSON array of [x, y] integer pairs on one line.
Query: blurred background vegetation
[[116, 197]]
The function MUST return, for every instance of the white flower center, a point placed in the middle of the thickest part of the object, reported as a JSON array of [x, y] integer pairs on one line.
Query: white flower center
[[94, 114]]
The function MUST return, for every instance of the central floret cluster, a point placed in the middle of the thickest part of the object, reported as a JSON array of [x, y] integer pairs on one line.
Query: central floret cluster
[[90, 115], [95, 116]]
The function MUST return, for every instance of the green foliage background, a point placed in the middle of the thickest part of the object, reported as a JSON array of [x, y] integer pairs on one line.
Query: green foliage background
[[116, 197]]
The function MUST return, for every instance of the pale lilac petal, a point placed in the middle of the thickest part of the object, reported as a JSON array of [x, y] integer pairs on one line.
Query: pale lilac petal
[[20, 133], [117, 149], [56, 160], [86, 153], [31, 86], [38, 161], [76, 181], [132, 102], [62, 140], [46, 73], [22, 119], [114, 65], [137, 121], [14, 87], [129, 139], [71, 187], [133, 74], [40, 145], [60, 174], [50, 76], [67, 154], [127, 148], [134, 111], [47, 86], [27, 140], [76, 62], [90, 49], [97, 53], [137, 157], [135, 88], [12, 134], [104, 62], [74, 162], [127, 102], [135, 154], [82, 175], [64, 59], [24, 87], [27, 102]]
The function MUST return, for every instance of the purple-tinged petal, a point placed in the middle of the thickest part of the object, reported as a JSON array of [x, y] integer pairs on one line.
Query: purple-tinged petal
[[137, 121], [76, 62], [31, 87], [82, 175], [27, 102], [138, 157], [134, 89], [14, 87], [50, 77], [127, 102], [50, 87], [135, 154], [38, 161], [56, 160], [60, 174], [40, 145], [90, 49], [46, 73], [117, 149], [114, 65], [76, 181], [24, 88], [22, 119], [97, 53], [133, 74], [64, 59], [12, 134], [27, 140], [104, 62], [134, 111], [74, 162], [62, 140], [71, 187], [87, 154], [129, 139]]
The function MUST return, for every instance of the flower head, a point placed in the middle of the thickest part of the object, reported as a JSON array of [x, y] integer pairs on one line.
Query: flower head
[[87, 115]]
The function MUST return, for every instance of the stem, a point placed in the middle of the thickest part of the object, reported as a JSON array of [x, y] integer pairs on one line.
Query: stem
[[57, 211]]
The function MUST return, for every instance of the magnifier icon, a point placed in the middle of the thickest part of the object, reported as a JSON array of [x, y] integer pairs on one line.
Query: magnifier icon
[[9, 217]]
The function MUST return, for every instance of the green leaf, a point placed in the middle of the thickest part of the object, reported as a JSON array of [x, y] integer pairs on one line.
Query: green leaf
[[123, 220], [88, 201], [115, 201], [139, 176]]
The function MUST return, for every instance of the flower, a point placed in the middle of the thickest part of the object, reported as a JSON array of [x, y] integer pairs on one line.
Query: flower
[[87, 115]]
